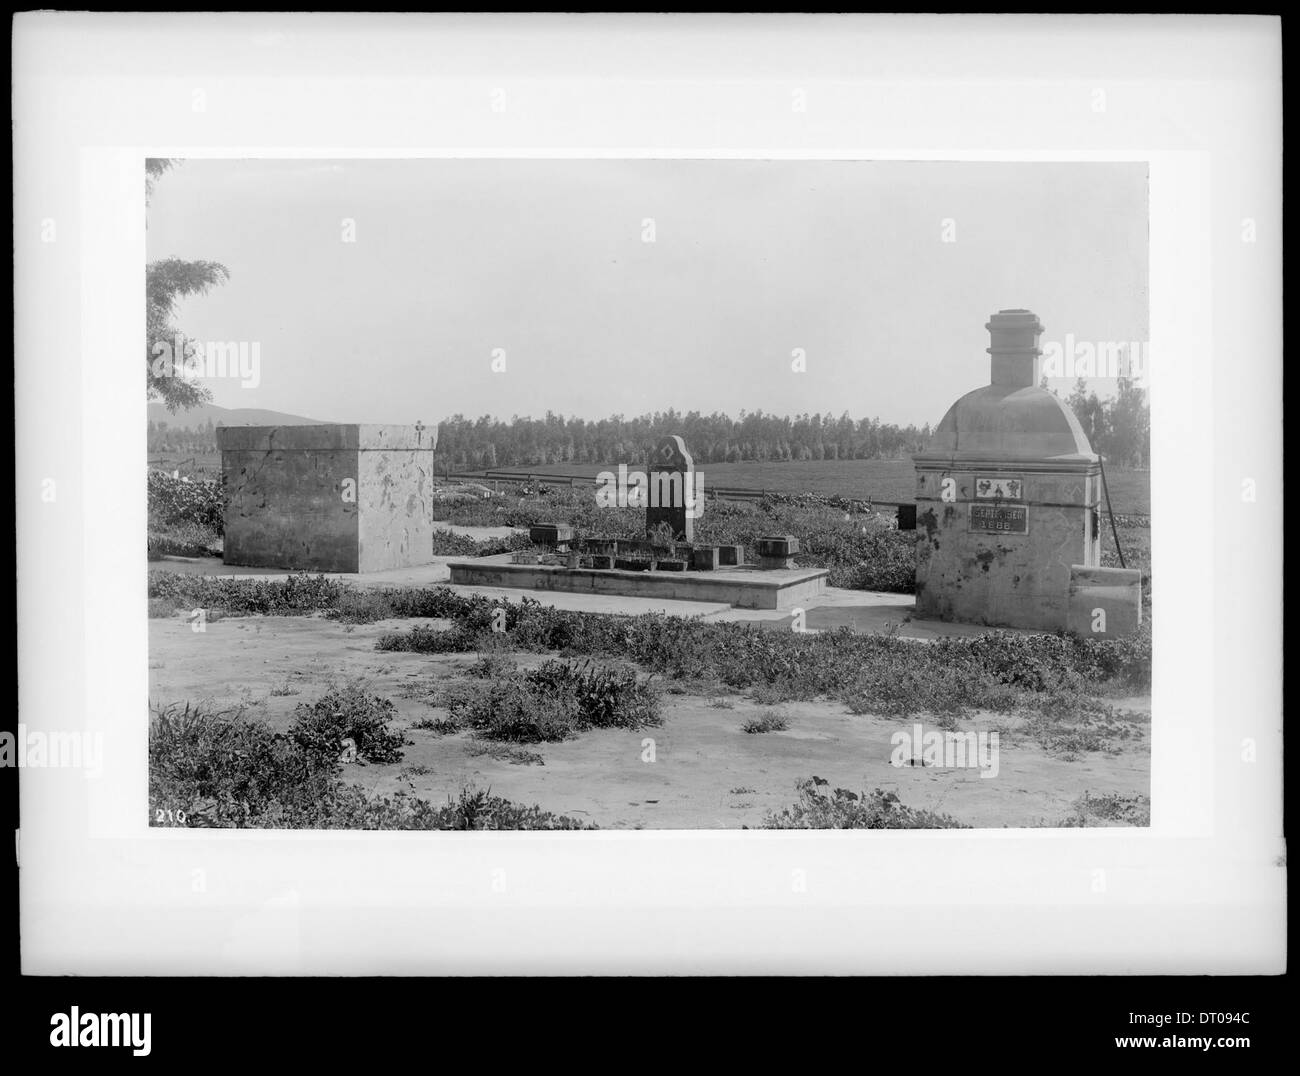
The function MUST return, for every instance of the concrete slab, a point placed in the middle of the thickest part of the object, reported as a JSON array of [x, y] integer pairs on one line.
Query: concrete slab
[[863, 611], [437, 574], [747, 588]]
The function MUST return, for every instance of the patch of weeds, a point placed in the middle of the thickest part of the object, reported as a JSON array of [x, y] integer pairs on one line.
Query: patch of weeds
[[349, 713], [443, 726], [516, 756], [607, 698], [458, 639], [741, 791], [220, 769], [819, 807], [722, 704], [511, 710], [556, 700], [414, 770], [477, 808], [775, 693], [284, 690], [492, 664], [161, 608], [1110, 807], [766, 723]]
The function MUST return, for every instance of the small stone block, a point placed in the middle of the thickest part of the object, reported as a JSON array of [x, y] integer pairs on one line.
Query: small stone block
[[706, 558], [733, 555], [1105, 603], [777, 546], [558, 535], [602, 561]]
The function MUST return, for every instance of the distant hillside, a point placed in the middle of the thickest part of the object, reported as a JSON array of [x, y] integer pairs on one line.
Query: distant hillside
[[225, 416]]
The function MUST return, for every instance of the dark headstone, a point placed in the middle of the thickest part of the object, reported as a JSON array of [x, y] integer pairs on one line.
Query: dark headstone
[[907, 517], [671, 476]]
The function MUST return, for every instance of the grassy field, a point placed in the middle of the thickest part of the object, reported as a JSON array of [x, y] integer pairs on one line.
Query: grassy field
[[881, 480]]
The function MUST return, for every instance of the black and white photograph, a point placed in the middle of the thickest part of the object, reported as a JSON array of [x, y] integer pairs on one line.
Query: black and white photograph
[[649, 495], [871, 555]]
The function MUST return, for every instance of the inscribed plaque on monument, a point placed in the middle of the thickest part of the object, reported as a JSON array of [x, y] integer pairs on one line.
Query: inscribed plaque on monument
[[1002, 518]]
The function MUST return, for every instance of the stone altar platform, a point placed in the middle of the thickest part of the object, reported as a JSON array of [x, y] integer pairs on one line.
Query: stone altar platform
[[742, 587]]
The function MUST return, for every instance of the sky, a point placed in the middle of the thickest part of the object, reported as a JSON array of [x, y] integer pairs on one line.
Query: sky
[[543, 265]]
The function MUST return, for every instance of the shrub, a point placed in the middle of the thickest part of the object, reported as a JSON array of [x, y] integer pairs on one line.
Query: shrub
[[455, 640], [766, 723], [221, 770], [348, 712], [842, 809], [183, 500], [514, 710], [552, 702], [161, 607], [606, 698], [297, 595], [477, 808], [1088, 810], [947, 676]]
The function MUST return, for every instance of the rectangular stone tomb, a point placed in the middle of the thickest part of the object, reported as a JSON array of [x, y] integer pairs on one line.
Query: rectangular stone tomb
[[777, 551], [328, 498], [745, 587], [557, 535]]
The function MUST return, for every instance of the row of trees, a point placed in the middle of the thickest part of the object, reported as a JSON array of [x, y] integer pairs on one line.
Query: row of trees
[[1119, 427], [713, 438], [164, 437]]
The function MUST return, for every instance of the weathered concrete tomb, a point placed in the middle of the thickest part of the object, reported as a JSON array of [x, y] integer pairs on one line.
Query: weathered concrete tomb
[[1009, 500], [328, 498]]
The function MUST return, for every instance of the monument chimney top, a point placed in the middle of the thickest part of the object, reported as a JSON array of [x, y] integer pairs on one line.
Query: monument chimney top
[[1014, 348]]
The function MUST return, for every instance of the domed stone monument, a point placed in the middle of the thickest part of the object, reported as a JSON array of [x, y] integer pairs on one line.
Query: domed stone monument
[[1009, 506]]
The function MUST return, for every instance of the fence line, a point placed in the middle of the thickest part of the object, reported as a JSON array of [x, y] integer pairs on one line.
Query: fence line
[[724, 493]]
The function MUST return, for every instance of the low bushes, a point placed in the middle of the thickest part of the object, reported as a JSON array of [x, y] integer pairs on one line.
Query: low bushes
[[819, 807], [880, 673], [1109, 808], [450, 544], [181, 500], [295, 596], [766, 723], [348, 713], [224, 770], [553, 702]]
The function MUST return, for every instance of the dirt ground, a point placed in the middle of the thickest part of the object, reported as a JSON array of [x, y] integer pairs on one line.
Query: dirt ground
[[706, 772]]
